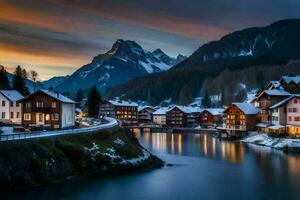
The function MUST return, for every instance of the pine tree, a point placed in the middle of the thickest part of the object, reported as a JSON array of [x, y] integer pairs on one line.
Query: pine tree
[[79, 95], [94, 100], [19, 83], [185, 95], [223, 97], [3, 79], [206, 102]]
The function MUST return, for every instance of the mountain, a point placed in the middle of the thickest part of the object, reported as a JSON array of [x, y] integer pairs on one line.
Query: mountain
[[254, 50], [54, 82], [124, 61], [29, 83]]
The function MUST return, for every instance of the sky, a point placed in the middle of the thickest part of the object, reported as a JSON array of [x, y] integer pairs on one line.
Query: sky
[[56, 37]]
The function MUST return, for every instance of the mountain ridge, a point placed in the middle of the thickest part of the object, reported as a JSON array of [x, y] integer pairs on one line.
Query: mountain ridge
[[125, 60]]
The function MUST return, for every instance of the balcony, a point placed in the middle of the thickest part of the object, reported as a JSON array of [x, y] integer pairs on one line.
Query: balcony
[[236, 128]]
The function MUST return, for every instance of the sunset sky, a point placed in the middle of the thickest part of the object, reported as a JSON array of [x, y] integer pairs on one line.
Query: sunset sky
[[55, 37]]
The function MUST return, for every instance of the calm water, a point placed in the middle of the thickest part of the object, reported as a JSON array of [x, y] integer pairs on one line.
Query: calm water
[[203, 168]]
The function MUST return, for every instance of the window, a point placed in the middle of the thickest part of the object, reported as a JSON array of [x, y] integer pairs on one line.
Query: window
[[28, 105], [3, 115], [11, 115], [292, 110], [47, 117], [39, 104], [11, 104], [27, 116], [17, 104], [53, 104], [296, 119], [3, 103], [290, 119], [55, 117], [41, 117], [295, 100], [18, 115]]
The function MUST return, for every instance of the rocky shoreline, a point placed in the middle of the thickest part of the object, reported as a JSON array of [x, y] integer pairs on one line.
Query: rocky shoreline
[[285, 144], [44, 161]]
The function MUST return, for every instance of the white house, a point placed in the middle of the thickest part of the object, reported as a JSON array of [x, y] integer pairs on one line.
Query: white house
[[10, 110], [160, 117]]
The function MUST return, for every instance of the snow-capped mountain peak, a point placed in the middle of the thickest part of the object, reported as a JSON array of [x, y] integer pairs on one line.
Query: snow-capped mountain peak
[[125, 60]]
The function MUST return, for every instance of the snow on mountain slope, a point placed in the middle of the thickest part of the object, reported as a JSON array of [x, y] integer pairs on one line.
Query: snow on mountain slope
[[124, 61]]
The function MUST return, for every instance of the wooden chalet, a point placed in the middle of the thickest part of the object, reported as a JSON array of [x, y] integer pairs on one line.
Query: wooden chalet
[[48, 109], [145, 114], [240, 118], [176, 117], [210, 116]]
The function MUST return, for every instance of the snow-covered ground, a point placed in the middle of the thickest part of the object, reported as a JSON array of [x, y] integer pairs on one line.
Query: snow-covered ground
[[278, 143]]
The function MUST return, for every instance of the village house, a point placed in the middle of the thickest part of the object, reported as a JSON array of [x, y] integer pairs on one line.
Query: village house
[[177, 117], [145, 114], [210, 116], [265, 100], [10, 110], [48, 109], [125, 111], [240, 118], [159, 116], [286, 116], [291, 83], [192, 115]]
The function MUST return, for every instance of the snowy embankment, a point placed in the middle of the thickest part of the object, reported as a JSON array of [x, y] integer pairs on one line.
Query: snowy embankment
[[278, 143]]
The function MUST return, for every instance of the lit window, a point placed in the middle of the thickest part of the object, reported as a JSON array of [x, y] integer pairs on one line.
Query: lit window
[[47, 117], [27, 116]]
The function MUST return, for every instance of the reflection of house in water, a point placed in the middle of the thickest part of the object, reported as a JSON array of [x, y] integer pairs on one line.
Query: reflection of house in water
[[202, 145]]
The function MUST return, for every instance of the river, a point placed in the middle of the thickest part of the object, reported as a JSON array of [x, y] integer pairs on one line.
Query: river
[[203, 168]]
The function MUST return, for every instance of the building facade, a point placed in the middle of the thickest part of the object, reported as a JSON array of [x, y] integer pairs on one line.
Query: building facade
[[10, 110], [160, 116], [208, 117], [49, 109], [145, 114], [176, 117], [240, 118], [126, 112]]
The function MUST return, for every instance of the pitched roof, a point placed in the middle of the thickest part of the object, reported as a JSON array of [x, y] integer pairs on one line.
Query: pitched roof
[[214, 111], [274, 92], [11, 95], [247, 108], [289, 79], [161, 111], [123, 103], [275, 84], [284, 101], [54, 95], [144, 107]]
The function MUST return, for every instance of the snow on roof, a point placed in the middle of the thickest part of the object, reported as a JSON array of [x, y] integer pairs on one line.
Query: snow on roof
[[247, 108], [123, 103], [274, 92], [11, 95], [214, 111], [274, 84], [78, 110], [58, 96], [143, 107], [186, 109], [162, 111], [288, 79], [284, 101]]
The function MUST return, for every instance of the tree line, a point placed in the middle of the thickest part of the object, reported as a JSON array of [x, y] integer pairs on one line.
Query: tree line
[[19, 80]]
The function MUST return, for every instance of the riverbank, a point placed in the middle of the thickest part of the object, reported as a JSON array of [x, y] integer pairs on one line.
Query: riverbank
[[286, 144], [41, 161]]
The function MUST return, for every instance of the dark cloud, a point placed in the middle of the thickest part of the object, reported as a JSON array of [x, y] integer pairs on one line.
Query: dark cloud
[[68, 33]]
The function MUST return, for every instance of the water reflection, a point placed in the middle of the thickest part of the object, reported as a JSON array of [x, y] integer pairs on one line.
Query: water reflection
[[192, 145]]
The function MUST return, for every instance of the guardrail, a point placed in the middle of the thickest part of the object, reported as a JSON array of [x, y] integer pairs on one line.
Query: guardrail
[[39, 134]]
